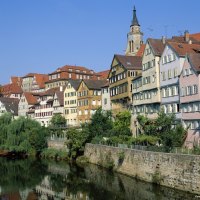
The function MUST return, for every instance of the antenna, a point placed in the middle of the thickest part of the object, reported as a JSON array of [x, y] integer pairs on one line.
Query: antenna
[[180, 32]]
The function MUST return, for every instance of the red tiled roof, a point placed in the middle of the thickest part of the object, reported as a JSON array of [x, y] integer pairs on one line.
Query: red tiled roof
[[49, 92], [183, 48], [130, 62], [11, 88], [29, 75], [41, 79], [103, 74], [67, 68], [16, 80], [195, 38], [31, 99], [141, 50]]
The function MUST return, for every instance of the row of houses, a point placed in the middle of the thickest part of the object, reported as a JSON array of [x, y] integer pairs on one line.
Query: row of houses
[[73, 91], [158, 74]]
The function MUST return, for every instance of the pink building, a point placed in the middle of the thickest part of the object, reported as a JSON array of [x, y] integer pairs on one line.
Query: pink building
[[190, 97]]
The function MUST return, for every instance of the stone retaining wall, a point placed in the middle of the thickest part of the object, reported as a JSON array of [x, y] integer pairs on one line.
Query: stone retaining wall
[[178, 171]]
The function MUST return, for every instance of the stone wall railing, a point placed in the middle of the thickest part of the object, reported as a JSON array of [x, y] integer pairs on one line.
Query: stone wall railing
[[180, 171]]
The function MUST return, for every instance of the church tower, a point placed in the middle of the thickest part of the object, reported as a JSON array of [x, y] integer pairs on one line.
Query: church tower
[[134, 37]]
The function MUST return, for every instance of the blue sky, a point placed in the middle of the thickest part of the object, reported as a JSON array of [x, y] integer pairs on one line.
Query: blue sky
[[42, 35]]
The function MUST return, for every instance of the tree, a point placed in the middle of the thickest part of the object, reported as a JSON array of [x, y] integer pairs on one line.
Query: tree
[[58, 121], [101, 123], [122, 124], [22, 135], [5, 121], [76, 141], [166, 127]]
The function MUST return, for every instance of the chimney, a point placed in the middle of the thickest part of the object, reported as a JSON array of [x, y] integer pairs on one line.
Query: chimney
[[163, 40], [187, 36]]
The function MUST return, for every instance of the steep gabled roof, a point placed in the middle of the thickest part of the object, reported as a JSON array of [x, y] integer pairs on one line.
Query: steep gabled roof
[[75, 83], [11, 104], [95, 84], [60, 96], [156, 45], [106, 84], [130, 62], [194, 59], [141, 50], [183, 48], [31, 99]]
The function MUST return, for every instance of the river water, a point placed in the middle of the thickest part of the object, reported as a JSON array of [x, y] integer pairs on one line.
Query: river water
[[48, 180]]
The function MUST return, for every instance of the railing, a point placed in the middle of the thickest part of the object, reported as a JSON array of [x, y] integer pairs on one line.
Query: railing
[[176, 150]]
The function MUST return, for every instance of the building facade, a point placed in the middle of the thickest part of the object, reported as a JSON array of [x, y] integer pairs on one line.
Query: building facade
[[105, 92], [122, 72], [190, 98], [26, 101], [171, 65], [70, 102], [89, 99]]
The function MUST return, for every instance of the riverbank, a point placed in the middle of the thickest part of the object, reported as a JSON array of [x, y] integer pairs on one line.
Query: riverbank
[[177, 171]]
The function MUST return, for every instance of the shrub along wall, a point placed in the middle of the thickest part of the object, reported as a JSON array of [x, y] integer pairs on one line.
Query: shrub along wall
[[178, 171]]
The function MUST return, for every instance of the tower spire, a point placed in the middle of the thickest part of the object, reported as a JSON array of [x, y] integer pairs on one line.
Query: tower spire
[[134, 20]]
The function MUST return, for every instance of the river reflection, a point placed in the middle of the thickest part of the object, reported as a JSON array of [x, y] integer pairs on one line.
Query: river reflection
[[46, 180]]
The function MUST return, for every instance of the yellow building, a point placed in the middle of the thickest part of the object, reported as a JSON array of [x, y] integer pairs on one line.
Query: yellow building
[[89, 99], [70, 102], [123, 70]]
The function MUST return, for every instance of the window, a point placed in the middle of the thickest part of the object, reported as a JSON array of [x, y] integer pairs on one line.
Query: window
[[169, 74], [163, 92], [153, 78], [175, 72], [163, 76], [189, 90], [195, 89]]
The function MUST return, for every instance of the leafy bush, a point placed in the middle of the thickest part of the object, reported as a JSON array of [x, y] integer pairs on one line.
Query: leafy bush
[[55, 154]]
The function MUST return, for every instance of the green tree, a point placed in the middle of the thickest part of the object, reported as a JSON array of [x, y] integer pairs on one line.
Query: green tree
[[166, 127], [58, 121], [5, 121], [76, 140], [101, 124], [23, 135], [122, 124]]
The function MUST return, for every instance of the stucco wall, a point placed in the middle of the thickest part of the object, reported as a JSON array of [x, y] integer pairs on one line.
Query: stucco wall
[[173, 170]]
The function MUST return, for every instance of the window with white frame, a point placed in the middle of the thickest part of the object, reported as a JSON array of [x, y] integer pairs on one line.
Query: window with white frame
[[195, 89]]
